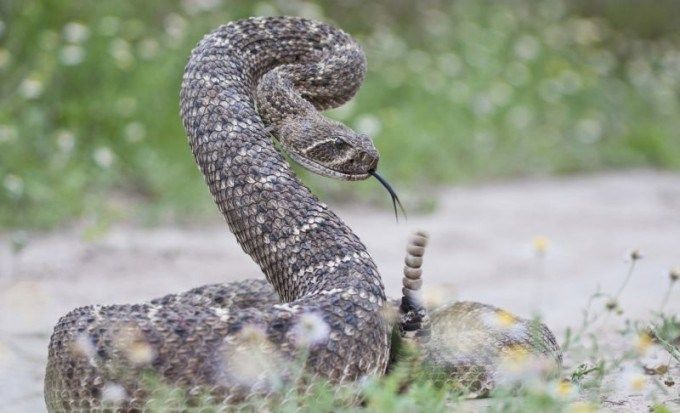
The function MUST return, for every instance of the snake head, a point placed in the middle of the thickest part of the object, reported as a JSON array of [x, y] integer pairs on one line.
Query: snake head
[[327, 147]]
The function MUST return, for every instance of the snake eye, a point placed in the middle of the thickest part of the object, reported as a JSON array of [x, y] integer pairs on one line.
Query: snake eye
[[340, 144]]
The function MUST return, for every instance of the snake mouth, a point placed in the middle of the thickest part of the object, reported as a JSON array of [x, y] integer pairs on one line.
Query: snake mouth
[[328, 172], [323, 170]]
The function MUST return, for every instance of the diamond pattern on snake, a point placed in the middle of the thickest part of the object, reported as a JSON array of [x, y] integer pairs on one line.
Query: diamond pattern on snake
[[249, 88]]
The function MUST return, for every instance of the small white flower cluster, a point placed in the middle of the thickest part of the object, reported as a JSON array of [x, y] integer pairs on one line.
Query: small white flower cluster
[[148, 48], [104, 157], [14, 185], [311, 329], [121, 52], [66, 140], [113, 393], [134, 132], [519, 367], [73, 54], [251, 360], [31, 88], [175, 26], [369, 125], [75, 32], [197, 6], [84, 347]]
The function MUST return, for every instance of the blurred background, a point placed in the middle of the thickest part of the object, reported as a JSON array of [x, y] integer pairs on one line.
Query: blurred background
[[457, 91], [537, 141]]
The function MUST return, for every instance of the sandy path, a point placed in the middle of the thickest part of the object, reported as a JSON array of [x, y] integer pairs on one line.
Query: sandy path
[[481, 249]]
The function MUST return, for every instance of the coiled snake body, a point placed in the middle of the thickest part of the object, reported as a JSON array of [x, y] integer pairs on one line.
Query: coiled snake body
[[245, 81]]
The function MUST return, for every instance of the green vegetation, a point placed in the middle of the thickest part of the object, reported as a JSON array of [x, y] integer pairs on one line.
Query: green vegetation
[[456, 91], [633, 368]]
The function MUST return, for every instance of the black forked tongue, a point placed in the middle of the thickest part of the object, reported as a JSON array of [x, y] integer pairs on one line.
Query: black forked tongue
[[395, 198]]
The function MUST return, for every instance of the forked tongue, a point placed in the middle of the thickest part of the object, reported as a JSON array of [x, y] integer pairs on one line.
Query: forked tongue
[[395, 198]]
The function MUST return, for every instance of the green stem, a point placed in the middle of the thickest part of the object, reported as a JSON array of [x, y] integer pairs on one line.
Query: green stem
[[666, 296], [625, 281]]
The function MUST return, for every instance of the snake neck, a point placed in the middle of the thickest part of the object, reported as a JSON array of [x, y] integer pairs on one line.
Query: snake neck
[[302, 247]]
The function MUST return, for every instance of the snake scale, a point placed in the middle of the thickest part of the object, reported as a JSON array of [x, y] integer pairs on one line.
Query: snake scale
[[247, 85]]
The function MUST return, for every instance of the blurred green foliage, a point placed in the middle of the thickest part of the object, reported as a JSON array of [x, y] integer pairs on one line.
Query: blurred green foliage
[[456, 90]]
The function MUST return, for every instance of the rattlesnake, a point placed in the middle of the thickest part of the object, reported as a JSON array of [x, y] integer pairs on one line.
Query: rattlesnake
[[245, 81]]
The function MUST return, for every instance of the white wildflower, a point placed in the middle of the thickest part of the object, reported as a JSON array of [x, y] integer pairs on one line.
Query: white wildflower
[[563, 390], [134, 132], [643, 343], [369, 125], [66, 140], [589, 130], [71, 55], [30, 88], [75, 32], [633, 381], [265, 9], [249, 358], [83, 346], [365, 382], [586, 31], [14, 185], [120, 50], [175, 26], [140, 353], [196, 6], [148, 48], [131, 342], [482, 104], [527, 47], [499, 319], [518, 366], [113, 393], [541, 244], [435, 297], [311, 329], [308, 10], [104, 157]]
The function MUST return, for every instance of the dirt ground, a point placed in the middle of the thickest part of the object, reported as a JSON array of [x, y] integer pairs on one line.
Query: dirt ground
[[483, 248]]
